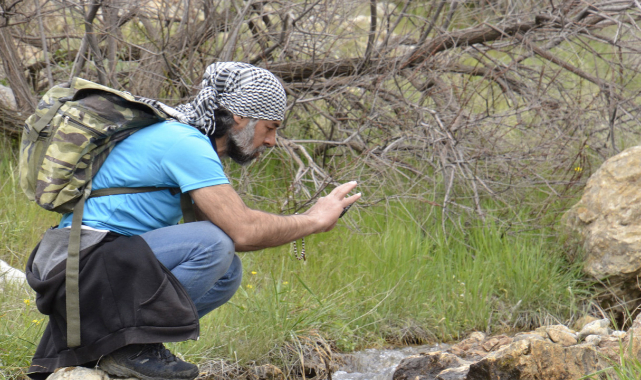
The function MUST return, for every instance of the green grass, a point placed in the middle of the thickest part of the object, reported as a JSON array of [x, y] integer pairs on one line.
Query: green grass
[[387, 274], [369, 289], [22, 223], [626, 367]]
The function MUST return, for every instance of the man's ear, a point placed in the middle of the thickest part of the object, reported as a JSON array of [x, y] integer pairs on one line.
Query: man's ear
[[237, 119]]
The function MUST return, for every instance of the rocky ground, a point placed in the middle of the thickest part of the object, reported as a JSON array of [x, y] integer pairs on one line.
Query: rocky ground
[[550, 352]]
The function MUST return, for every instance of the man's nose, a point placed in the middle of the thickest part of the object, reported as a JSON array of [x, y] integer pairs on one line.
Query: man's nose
[[270, 138]]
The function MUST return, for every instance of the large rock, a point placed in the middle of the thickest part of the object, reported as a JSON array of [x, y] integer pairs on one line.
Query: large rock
[[264, 372], [80, 373], [598, 327], [10, 274], [538, 360], [607, 221], [427, 366], [549, 353], [7, 98]]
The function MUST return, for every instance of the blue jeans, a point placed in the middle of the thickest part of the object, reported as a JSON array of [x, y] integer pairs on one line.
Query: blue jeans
[[203, 259]]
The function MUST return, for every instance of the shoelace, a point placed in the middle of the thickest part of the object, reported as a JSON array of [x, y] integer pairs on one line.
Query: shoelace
[[156, 349], [163, 353]]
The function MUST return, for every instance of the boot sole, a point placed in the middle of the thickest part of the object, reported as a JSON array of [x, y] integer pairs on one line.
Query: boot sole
[[109, 366]]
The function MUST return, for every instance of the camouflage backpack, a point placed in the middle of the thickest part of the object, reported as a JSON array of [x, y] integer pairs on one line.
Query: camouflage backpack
[[74, 128], [64, 143]]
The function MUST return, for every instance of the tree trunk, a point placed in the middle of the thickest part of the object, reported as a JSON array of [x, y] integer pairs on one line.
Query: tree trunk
[[15, 72]]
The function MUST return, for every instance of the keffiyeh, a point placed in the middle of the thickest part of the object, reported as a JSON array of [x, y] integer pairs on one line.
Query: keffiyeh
[[241, 88]]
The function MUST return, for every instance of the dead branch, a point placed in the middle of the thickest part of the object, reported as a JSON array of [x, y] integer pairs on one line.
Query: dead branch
[[455, 104], [15, 71]]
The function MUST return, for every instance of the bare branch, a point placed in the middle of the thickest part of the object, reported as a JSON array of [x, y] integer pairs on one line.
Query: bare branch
[[372, 32]]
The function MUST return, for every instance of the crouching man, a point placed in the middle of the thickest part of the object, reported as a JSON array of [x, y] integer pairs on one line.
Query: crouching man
[[130, 303]]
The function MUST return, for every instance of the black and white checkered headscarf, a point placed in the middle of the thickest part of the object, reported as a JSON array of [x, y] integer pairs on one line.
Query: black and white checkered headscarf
[[241, 88]]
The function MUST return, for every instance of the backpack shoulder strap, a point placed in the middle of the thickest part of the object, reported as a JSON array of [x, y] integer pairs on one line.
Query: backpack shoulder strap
[[72, 272]]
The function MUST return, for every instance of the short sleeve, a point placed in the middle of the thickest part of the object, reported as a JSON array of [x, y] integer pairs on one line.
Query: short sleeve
[[193, 164]]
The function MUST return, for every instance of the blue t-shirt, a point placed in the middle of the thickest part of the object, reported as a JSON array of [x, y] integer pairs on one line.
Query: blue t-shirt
[[167, 154]]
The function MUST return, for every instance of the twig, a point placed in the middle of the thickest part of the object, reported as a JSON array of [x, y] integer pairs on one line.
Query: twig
[[230, 44], [372, 34], [43, 38]]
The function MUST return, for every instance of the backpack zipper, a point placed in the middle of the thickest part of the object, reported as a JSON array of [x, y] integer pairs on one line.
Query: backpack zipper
[[78, 124]]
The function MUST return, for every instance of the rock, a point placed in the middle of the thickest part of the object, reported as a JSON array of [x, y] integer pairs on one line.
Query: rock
[[599, 323], [476, 346], [606, 222], [593, 339], [426, 366], [528, 336], [584, 320], [545, 329], [477, 336], [538, 360], [632, 341], [598, 327], [10, 274], [495, 343], [80, 373], [458, 373], [527, 356], [561, 337], [618, 334], [501, 364], [268, 372], [490, 344], [636, 324], [610, 346], [558, 334], [7, 98], [468, 350]]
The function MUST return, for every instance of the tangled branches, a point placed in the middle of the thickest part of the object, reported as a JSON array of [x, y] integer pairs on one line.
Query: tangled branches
[[478, 107]]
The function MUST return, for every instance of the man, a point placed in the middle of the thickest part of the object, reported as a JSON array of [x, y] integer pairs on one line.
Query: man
[[236, 114]]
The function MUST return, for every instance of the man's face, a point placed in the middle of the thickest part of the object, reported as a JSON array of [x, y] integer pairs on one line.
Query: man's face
[[249, 138]]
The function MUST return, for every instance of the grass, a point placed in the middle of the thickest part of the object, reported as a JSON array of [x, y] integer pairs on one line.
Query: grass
[[362, 290], [22, 223], [626, 367], [380, 278]]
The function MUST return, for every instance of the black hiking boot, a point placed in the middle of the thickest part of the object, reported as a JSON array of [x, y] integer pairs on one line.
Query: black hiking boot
[[147, 362]]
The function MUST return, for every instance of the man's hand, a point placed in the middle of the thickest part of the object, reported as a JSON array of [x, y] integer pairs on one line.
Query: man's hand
[[328, 209], [252, 229]]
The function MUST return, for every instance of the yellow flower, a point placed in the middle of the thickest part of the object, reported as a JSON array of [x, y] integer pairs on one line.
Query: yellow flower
[[578, 169], [250, 286], [285, 282], [37, 322], [27, 301], [254, 272]]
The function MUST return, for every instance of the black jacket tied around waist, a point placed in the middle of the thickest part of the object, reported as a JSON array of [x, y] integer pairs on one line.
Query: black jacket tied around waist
[[126, 297]]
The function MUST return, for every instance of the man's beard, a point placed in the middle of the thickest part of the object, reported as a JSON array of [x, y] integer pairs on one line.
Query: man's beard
[[240, 144]]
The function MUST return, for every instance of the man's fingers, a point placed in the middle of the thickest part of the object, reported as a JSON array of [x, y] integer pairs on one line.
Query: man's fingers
[[341, 192], [344, 189], [349, 200]]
